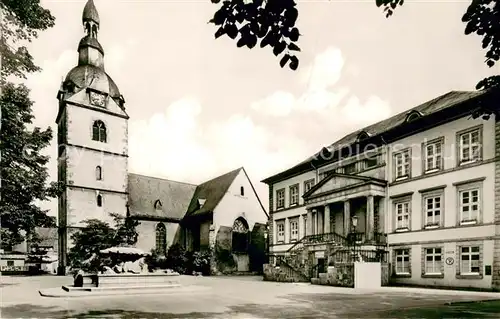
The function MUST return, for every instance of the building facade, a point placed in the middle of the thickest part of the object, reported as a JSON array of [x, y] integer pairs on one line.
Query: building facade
[[425, 184], [93, 167]]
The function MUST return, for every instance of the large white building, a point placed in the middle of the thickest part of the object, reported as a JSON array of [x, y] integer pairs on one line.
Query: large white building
[[93, 166], [423, 184]]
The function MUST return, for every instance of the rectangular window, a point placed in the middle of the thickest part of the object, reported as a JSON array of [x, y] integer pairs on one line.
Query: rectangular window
[[308, 185], [433, 261], [280, 232], [294, 229], [10, 263], [469, 206], [433, 156], [432, 211], [469, 147], [350, 169], [469, 260], [294, 194], [402, 164], [280, 198], [403, 215], [370, 161], [402, 261]]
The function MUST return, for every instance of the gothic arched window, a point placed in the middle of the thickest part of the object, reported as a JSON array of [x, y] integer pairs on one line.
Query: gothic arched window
[[240, 235], [99, 200], [98, 173], [161, 239], [99, 131]]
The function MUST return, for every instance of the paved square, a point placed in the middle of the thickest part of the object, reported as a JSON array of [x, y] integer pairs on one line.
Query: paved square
[[243, 297]]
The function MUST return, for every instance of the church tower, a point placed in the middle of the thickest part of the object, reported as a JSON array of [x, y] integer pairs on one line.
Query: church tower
[[92, 140]]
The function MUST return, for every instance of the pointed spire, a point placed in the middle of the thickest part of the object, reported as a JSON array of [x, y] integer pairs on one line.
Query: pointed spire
[[90, 19], [90, 12], [90, 50]]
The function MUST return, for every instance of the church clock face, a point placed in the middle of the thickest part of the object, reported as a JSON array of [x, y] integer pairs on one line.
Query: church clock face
[[97, 99]]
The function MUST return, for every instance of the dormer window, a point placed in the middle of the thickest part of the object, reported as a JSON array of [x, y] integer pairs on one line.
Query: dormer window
[[412, 116], [363, 135], [158, 204]]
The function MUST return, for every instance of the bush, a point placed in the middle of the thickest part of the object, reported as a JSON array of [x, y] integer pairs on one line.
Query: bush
[[225, 259], [201, 261], [177, 259]]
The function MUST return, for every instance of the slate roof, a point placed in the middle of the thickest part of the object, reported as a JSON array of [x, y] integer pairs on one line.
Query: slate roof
[[439, 103], [212, 191], [144, 191]]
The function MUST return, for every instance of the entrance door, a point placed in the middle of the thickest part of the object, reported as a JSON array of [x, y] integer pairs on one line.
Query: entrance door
[[321, 265]]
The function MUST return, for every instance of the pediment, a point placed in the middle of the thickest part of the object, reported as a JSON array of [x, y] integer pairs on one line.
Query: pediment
[[338, 182], [335, 182]]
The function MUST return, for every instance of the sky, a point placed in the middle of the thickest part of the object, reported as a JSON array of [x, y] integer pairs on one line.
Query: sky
[[200, 107]]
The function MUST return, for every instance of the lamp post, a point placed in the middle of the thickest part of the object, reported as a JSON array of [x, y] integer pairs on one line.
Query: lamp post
[[354, 224]]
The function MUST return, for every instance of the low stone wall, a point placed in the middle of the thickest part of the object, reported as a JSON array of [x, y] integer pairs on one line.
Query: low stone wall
[[343, 276], [282, 273], [150, 279], [386, 274]]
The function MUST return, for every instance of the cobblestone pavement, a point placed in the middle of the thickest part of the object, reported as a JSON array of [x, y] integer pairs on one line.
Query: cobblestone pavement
[[243, 297]]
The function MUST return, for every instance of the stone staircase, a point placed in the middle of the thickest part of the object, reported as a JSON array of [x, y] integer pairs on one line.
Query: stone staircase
[[296, 264]]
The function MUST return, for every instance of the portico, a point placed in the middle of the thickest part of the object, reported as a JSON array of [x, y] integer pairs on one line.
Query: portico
[[333, 202]]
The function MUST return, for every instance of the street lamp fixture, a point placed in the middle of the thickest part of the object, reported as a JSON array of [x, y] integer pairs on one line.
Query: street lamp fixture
[[354, 222]]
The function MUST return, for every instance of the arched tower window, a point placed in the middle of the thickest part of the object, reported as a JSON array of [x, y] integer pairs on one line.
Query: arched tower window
[[94, 31], [161, 239], [88, 27], [98, 173], [99, 200], [158, 204], [242, 191], [240, 235], [99, 131]]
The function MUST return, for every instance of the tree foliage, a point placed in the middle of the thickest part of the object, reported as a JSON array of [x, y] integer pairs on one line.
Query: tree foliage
[[273, 23], [98, 235], [21, 21], [23, 170]]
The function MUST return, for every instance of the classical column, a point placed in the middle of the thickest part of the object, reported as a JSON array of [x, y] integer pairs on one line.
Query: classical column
[[326, 220], [370, 217], [309, 222], [301, 227], [319, 228], [347, 217]]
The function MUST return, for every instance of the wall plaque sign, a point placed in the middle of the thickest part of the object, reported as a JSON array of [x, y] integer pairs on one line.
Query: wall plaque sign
[[450, 261], [319, 254], [487, 270]]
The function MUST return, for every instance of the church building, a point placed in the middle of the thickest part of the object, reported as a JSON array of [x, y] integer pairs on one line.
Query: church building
[[223, 213]]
